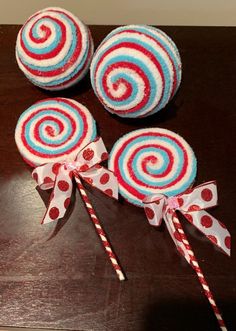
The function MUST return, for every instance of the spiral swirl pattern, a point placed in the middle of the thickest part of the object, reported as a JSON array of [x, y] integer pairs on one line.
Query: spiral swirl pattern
[[52, 130], [54, 49], [135, 71], [149, 161]]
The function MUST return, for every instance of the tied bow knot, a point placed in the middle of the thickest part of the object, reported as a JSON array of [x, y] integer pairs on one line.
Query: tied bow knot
[[191, 204], [173, 203], [59, 177]]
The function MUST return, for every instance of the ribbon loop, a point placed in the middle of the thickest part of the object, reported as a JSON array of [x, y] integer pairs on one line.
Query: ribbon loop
[[59, 177], [173, 203], [91, 155], [201, 197]]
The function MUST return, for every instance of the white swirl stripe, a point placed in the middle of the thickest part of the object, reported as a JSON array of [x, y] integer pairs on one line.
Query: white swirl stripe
[[53, 129], [149, 161], [135, 71], [54, 49]]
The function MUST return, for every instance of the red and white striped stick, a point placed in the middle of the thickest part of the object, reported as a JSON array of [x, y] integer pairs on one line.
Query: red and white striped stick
[[100, 231], [200, 275]]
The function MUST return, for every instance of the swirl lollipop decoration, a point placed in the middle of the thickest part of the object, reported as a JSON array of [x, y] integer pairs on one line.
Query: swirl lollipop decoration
[[152, 160], [155, 169], [54, 49], [58, 137], [135, 71], [53, 129]]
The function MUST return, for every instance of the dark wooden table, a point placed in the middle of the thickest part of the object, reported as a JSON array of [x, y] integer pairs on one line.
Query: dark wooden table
[[58, 276]]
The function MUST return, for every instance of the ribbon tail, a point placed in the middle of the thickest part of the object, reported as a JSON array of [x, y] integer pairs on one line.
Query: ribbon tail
[[60, 197], [213, 229], [201, 197], [103, 179], [154, 211]]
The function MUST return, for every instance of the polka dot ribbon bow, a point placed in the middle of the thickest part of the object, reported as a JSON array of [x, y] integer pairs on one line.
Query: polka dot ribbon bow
[[59, 177], [192, 205]]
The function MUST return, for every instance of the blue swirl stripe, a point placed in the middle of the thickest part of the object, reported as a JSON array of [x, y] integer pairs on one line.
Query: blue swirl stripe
[[168, 54], [42, 49], [138, 150], [71, 69], [58, 115], [50, 48], [160, 183], [151, 151]]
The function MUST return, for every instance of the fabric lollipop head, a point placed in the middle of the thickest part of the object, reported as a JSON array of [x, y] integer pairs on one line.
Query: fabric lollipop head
[[150, 161], [135, 71], [54, 49], [52, 130]]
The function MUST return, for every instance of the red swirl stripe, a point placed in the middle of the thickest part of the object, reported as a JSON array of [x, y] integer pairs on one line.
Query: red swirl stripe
[[132, 66], [80, 72], [163, 48], [45, 29], [136, 57], [36, 134], [168, 169], [132, 174], [131, 171], [128, 93], [54, 119], [54, 53], [33, 139], [51, 54], [62, 74]]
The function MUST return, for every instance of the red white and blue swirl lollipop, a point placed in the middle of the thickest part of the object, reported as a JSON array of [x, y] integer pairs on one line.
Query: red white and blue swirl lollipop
[[52, 134], [54, 49], [135, 71], [153, 167], [52, 130], [150, 161]]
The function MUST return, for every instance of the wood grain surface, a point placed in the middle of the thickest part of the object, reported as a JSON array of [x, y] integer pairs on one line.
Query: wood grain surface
[[57, 276]]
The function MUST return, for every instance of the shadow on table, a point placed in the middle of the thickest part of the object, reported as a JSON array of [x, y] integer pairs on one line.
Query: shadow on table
[[187, 316], [164, 115], [74, 91]]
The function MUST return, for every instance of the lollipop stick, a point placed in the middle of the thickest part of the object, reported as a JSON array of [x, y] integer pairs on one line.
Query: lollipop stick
[[203, 282], [100, 231]]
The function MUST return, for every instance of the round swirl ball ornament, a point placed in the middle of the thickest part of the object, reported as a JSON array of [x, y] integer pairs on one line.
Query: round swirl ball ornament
[[52, 130], [135, 71], [54, 49], [150, 161]]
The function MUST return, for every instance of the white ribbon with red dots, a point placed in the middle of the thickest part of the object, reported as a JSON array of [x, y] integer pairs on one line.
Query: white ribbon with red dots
[[59, 177], [191, 204]]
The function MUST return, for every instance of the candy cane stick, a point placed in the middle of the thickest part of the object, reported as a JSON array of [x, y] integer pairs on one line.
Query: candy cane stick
[[196, 267], [100, 231]]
